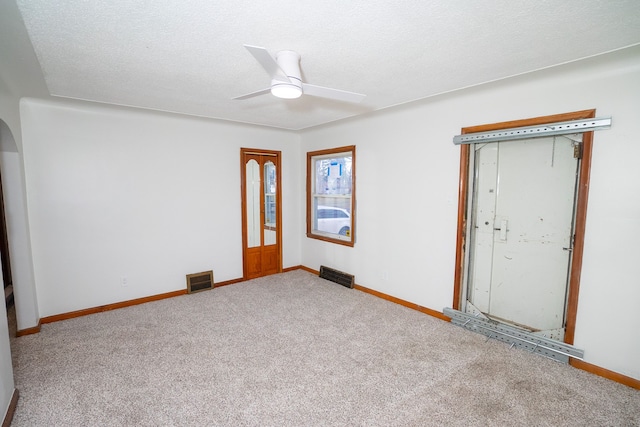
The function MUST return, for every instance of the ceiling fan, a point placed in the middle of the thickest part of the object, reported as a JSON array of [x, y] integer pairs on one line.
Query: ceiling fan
[[286, 80]]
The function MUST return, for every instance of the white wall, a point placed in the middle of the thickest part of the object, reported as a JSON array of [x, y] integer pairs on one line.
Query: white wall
[[17, 76], [15, 204], [116, 192], [7, 142], [6, 368], [20, 74], [407, 182]]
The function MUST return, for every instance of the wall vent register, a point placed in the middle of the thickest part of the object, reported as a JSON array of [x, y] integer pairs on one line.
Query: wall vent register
[[336, 276], [199, 281]]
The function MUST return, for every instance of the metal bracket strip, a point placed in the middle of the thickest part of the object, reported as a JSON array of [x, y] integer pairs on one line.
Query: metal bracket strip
[[517, 337], [559, 128]]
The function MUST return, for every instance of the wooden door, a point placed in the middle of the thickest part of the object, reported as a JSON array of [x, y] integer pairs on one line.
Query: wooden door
[[261, 217]]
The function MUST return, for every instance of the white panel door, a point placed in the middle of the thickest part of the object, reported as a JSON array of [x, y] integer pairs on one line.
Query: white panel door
[[524, 194]]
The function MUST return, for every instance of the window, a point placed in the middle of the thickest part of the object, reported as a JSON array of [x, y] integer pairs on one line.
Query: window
[[331, 195]]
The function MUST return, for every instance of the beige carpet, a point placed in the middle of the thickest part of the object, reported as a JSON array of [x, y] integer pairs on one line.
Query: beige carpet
[[295, 350]]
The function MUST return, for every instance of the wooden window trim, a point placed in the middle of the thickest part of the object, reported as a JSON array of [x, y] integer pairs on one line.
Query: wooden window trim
[[310, 156]]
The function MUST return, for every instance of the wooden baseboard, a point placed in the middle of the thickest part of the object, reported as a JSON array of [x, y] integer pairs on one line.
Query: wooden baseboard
[[310, 270], [605, 373], [11, 409], [404, 303], [228, 282], [114, 306], [395, 300], [29, 331], [108, 307]]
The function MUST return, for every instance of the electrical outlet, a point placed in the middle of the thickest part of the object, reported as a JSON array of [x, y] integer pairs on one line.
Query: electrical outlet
[[124, 281]]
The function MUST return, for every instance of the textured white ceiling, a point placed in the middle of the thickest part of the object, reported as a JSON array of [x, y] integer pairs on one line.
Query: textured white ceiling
[[188, 57]]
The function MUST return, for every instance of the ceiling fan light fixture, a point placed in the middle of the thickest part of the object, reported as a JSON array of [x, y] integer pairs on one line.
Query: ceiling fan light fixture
[[286, 91], [286, 78]]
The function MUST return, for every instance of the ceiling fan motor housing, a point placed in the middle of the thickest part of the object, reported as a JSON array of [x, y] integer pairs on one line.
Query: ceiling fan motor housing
[[289, 62]]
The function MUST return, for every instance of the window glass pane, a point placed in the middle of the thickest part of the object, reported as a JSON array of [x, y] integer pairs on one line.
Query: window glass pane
[[253, 203], [269, 203], [333, 175], [270, 194]]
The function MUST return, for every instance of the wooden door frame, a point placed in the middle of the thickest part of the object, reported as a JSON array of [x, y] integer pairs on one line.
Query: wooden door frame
[[243, 197], [580, 219]]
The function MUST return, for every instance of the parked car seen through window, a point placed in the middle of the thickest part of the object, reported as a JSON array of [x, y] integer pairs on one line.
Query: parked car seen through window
[[334, 220]]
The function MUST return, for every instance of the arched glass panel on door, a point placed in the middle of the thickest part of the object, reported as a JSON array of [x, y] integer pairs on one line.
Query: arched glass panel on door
[[269, 203], [253, 203]]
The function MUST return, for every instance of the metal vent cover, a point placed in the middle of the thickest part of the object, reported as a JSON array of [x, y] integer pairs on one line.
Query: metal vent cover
[[337, 276], [199, 281]]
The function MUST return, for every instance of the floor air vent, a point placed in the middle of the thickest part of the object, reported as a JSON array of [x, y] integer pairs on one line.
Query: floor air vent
[[336, 276], [199, 281]]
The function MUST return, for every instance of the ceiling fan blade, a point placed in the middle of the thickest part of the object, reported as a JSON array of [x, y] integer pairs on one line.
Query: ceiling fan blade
[[267, 61], [253, 94], [325, 92]]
